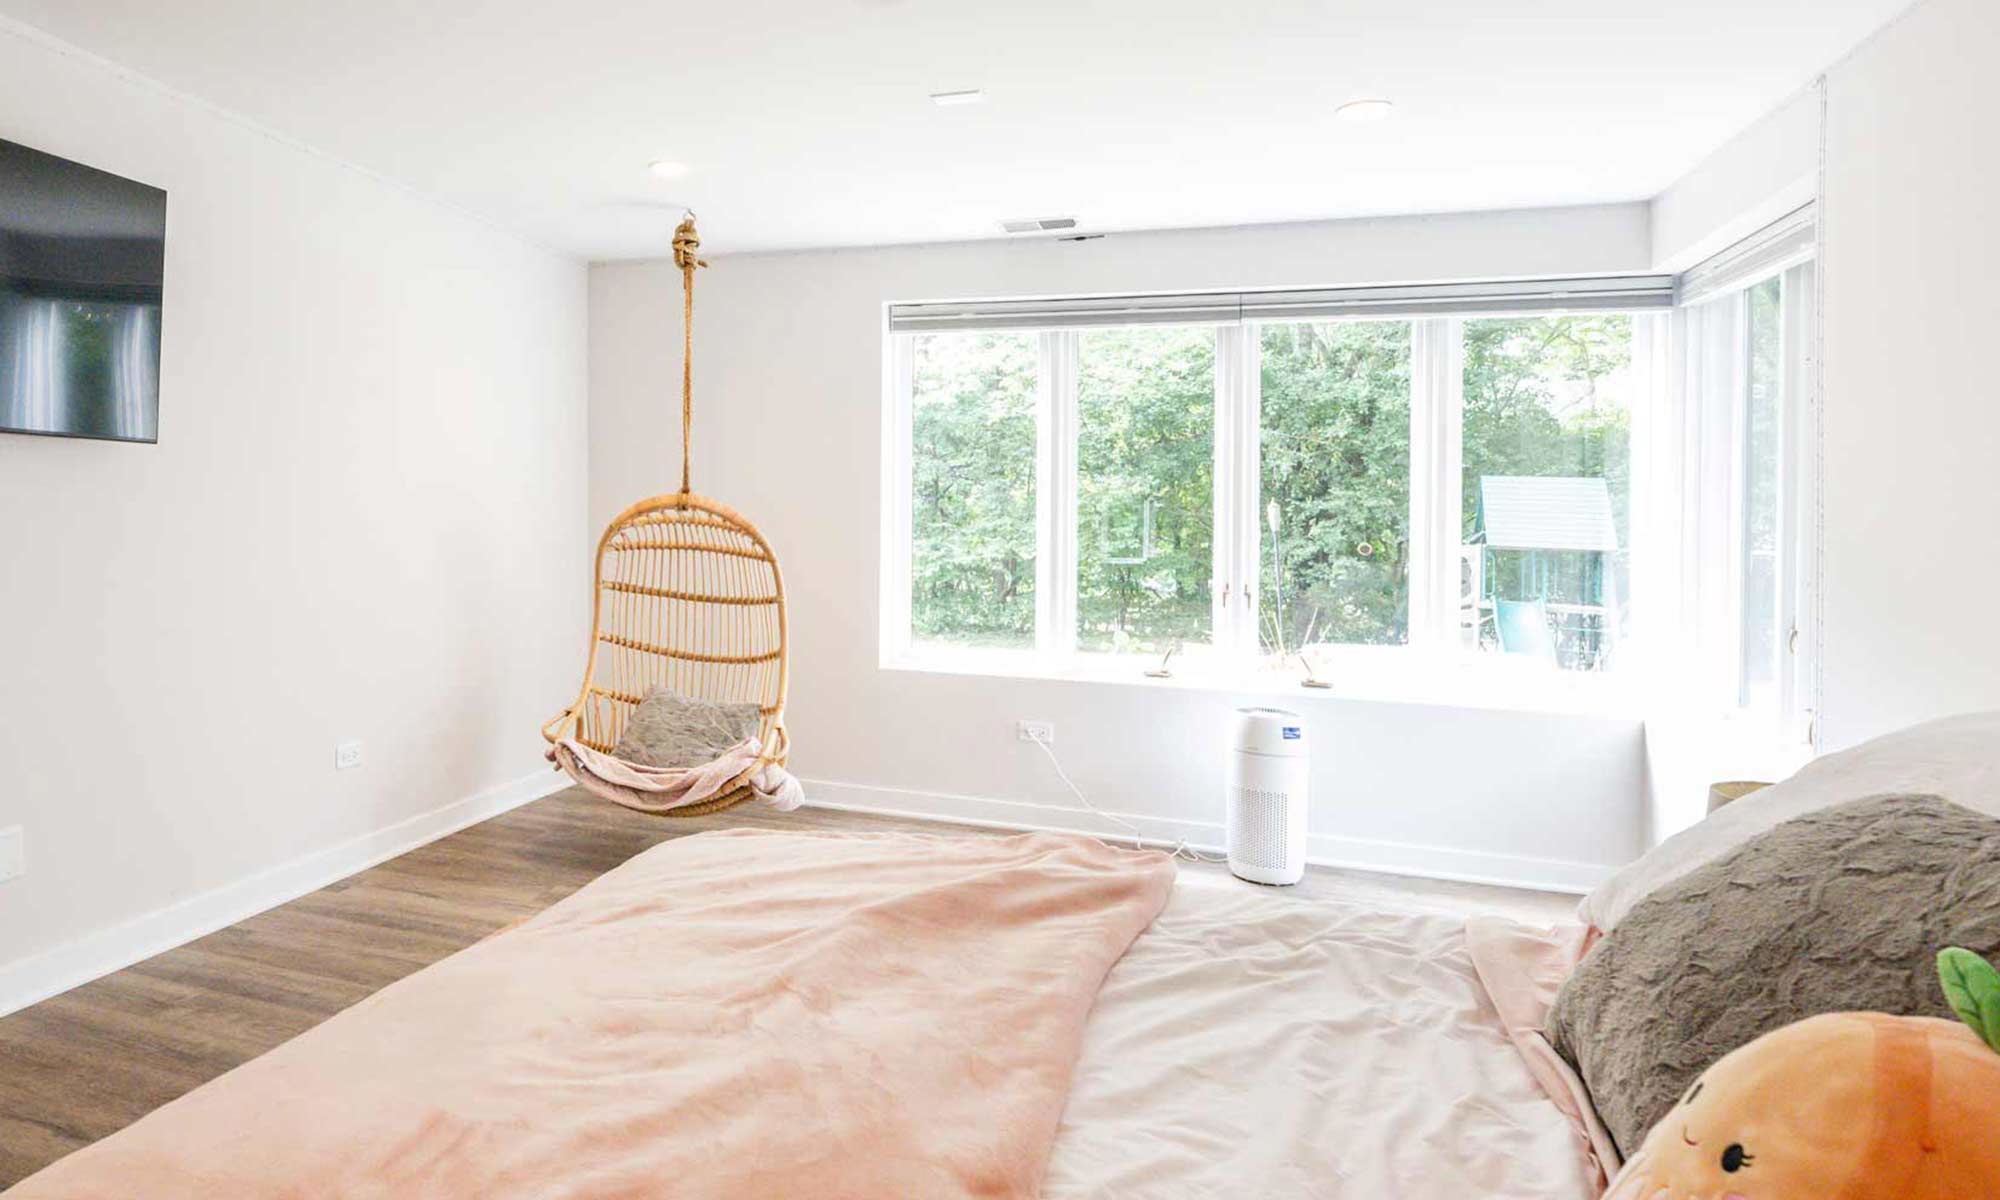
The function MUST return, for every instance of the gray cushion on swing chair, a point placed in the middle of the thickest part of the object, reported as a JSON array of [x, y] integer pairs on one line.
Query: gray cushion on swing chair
[[672, 730]]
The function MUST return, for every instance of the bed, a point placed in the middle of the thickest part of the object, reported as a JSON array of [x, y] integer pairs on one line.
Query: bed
[[748, 1014]]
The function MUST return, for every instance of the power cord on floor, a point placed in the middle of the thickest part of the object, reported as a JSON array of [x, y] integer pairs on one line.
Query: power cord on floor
[[1181, 848]]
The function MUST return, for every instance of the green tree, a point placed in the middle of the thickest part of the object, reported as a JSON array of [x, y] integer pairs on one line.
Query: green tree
[[972, 489], [1335, 418], [1145, 486]]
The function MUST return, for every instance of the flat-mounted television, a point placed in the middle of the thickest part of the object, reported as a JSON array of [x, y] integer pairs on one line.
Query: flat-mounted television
[[82, 268]]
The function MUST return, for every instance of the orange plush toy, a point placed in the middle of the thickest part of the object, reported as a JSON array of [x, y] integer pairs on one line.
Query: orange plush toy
[[1847, 1106]]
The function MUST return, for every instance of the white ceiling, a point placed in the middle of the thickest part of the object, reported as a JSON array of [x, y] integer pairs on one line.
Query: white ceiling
[[806, 122]]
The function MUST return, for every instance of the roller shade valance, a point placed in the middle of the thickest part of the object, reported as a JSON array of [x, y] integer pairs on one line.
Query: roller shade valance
[[1068, 312], [1592, 294], [1784, 243]]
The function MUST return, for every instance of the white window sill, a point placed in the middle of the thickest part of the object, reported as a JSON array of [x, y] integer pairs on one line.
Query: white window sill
[[1723, 746], [1390, 675]]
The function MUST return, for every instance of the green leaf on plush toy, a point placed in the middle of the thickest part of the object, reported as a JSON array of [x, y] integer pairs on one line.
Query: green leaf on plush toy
[[1972, 987]]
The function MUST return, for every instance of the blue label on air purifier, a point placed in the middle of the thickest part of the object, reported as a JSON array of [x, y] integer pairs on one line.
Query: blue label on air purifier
[[1292, 733]]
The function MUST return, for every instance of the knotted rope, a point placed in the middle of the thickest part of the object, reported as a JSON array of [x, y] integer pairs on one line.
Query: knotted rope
[[687, 247]]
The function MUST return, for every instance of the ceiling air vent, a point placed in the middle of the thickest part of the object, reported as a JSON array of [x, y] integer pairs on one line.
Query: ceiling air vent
[[1039, 225]]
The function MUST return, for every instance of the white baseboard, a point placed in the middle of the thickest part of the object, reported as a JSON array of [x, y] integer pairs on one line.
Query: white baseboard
[[1326, 850], [52, 972]]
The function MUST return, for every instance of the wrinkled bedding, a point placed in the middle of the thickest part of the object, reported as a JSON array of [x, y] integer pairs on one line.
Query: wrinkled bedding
[[1258, 1042], [728, 1016], [1253, 1042]]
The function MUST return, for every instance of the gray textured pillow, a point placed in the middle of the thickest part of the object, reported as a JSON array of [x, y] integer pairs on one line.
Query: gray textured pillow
[[1840, 910], [672, 730]]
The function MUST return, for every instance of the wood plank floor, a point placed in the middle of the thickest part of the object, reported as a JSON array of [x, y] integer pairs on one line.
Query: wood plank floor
[[91, 1061]]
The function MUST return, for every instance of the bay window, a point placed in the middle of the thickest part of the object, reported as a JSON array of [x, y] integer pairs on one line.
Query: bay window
[[1580, 476], [1269, 480]]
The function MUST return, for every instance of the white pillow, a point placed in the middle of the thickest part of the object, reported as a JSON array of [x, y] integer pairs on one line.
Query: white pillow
[[1957, 758]]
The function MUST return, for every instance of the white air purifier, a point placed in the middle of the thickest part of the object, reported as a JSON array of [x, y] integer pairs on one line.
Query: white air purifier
[[1266, 797]]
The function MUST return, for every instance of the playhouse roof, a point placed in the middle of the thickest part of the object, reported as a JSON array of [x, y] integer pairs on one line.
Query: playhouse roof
[[1546, 512]]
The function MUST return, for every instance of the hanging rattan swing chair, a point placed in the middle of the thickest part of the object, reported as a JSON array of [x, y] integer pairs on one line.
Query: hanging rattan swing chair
[[687, 596]]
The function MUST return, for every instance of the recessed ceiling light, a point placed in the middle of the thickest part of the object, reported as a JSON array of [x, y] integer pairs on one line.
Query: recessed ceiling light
[[1364, 110], [667, 168], [949, 99]]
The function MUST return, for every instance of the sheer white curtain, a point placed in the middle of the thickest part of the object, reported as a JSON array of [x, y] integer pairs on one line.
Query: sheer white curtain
[[1686, 498], [1698, 504]]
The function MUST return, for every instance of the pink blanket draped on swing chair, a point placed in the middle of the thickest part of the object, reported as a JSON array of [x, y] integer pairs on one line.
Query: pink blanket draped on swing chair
[[663, 789]]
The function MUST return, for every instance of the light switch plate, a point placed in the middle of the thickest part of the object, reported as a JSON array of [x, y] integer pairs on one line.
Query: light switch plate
[[346, 756], [13, 852]]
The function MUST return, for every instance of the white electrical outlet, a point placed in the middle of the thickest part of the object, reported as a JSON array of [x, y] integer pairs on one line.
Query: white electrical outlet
[[346, 756], [1036, 731], [13, 852]]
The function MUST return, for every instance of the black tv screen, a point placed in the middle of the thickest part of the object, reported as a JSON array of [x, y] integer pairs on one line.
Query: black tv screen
[[82, 264]]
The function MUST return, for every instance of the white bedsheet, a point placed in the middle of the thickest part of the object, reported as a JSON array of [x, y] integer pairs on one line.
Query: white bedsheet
[[1259, 1044]]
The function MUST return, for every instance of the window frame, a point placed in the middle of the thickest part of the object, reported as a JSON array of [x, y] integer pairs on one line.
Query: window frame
[[1437, 406], [1796, 569], [1436, 449], [1705, 433], [1798, 504]]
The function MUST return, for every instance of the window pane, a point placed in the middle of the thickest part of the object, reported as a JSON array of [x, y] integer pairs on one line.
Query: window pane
[[1760, 508], [1144, 483], [1548, 486], [1336, 466], [972, 495]]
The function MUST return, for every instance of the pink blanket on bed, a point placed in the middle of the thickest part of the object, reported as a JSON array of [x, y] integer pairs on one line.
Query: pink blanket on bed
[[1522, 969], [739, 1014]]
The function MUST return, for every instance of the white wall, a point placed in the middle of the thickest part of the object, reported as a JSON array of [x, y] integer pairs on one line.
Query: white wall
[[1759, 175], [1912, 409], [365, 518], [788, 363]]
